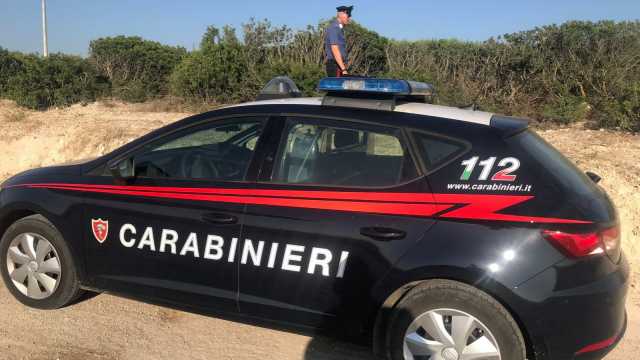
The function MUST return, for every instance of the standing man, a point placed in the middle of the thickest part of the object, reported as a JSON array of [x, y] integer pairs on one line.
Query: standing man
[[335, 47]]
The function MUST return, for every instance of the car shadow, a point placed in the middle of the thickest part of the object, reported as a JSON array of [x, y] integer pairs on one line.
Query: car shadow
[[367, 273], [86, 295], [325, 348], [319, 347]]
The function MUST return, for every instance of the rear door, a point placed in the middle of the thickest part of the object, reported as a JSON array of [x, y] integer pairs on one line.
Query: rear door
[[170, 233], [338, 204]]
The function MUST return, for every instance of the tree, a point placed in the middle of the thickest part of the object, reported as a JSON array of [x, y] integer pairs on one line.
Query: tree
[[58, 80], [9, 66], [137, 69]]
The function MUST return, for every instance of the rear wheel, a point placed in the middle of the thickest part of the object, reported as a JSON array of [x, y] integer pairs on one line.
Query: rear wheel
[[36, 264], [448, 320]]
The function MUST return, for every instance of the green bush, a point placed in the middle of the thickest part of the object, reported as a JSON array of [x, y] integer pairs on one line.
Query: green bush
[[226, 69], [622, 112], [212, 75], [197, 77], [132, 91], [305, 76], [9, 66], [562, 73], [566, 109], [137, 69], [58, 80], [366, 50]]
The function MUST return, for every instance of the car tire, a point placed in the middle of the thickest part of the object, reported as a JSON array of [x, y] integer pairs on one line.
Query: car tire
[[427, 314], [34, 251]]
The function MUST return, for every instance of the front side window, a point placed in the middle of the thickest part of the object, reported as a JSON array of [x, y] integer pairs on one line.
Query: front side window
[[220, 153], [342, 155]]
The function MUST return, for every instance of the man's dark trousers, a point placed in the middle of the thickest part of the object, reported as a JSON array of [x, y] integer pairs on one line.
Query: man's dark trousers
[[332, 68]]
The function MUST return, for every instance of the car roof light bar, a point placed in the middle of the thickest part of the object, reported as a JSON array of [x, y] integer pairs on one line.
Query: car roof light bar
[[372, 93], [375, 85]]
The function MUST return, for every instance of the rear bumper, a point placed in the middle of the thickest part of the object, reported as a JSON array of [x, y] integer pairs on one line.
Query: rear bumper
[[575, 309], [600, 354]]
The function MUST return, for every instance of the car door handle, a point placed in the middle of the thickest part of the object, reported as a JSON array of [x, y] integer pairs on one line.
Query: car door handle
[[221, 219], [382, 233]]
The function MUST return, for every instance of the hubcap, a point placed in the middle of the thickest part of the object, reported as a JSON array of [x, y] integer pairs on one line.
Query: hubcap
[[447, 334], [450, 354], [33, 265]]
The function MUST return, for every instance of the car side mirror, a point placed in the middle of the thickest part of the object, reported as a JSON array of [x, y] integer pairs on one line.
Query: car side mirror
[[593, 176], [122, 169]]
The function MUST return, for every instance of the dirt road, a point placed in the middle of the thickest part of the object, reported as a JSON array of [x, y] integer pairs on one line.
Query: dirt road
[[107, 327]]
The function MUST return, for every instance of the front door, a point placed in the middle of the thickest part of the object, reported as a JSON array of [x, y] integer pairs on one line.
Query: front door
[[171, 232], [334, 215]]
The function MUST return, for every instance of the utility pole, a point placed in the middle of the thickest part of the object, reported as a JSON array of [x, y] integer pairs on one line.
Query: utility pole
[[45, 41]]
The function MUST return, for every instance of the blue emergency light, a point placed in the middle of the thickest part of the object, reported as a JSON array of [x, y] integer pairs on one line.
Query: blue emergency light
[[375, 86]]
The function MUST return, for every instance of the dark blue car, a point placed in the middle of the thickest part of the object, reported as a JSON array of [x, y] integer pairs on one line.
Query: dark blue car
[[369, 214]]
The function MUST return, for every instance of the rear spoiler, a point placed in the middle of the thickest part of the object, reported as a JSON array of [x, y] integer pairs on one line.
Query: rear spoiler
[[508, 126]]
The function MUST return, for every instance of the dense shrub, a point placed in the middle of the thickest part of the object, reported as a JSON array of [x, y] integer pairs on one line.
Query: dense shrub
[[58, 80], [622, 112], [561, 73], [556, 73], [137, 69], [9, 66], [273, 51], [566, 109], [366, 50], [226, 69], [213, 73]]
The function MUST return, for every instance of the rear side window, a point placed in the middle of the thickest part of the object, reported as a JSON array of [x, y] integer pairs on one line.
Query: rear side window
[[436, 151], [556, 165], [342, 154]]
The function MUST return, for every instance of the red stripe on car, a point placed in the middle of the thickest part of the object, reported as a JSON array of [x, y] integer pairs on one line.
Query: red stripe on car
[[475, 206]]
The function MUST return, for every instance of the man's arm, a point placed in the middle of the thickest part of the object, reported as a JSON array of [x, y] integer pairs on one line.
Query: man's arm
[[333, 40], [338, 57]]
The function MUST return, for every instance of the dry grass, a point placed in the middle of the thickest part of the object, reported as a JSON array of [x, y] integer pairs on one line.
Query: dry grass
[[167, 104], [172, 104], [169, 315], [15, 115], [76, 132], [108, 103]]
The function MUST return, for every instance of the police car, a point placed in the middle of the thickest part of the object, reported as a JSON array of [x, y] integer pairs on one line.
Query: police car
[[429, 232]]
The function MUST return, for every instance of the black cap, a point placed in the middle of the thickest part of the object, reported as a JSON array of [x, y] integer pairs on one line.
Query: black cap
[[346, 9]]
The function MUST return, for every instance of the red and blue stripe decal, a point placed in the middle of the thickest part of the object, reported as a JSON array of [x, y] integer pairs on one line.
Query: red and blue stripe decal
[[447, 206]]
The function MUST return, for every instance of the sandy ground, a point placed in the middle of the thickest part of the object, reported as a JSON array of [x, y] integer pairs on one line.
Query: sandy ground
[[107, 327]]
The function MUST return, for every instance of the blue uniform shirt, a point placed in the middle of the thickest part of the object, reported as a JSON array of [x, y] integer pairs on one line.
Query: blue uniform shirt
[[335, 36]]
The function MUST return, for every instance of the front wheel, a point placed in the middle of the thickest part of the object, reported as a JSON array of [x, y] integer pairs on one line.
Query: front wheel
[[36, 264], [448, 320]]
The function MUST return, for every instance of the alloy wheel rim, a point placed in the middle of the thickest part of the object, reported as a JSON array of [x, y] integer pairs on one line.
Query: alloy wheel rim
[[33, 266], [448, 334]]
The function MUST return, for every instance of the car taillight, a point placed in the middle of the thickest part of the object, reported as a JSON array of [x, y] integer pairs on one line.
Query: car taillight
[[611, 241], [578, 245]]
